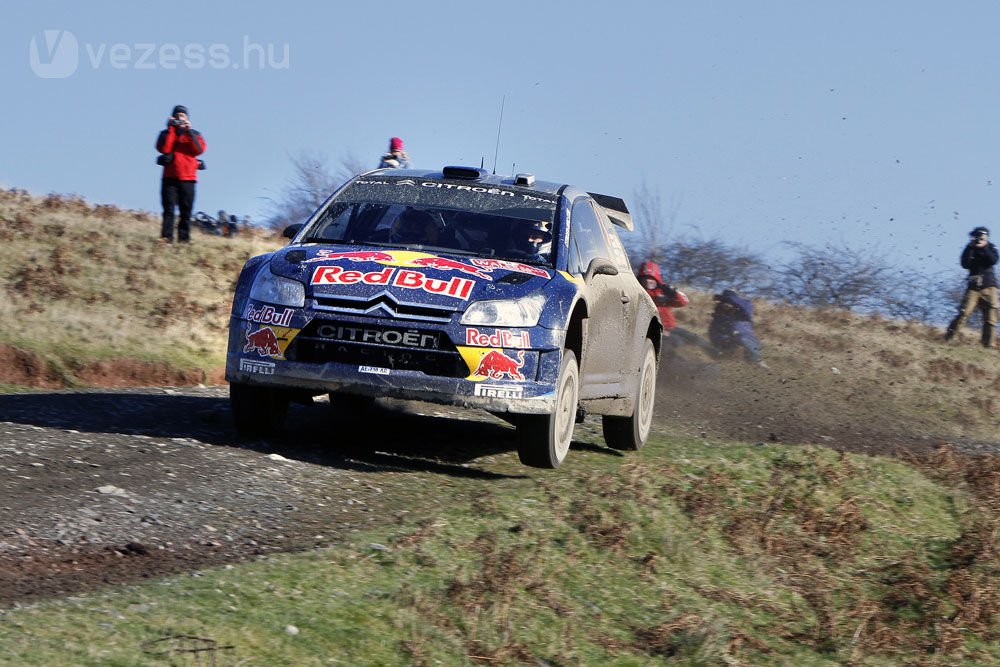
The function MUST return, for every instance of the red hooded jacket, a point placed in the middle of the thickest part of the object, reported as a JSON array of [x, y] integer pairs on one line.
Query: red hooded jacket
[[185, 146], [664, 296]]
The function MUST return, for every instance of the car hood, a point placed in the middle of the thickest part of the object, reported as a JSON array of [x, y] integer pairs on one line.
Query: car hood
[[410, 275]]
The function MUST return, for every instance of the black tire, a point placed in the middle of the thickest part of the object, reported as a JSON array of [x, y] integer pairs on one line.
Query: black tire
[[543, 440], [630, 433], [257, 411]]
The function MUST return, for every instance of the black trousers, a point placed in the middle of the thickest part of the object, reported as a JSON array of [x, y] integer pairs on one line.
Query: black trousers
[[174, 194]]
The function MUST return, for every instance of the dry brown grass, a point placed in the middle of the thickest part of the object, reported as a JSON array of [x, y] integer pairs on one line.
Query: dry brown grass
[[83, 283]]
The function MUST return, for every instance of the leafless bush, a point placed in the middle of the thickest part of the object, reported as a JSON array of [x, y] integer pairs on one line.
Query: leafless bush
[[921, 298], [310, 185], [835, 276], [711, 264], [653, 223]]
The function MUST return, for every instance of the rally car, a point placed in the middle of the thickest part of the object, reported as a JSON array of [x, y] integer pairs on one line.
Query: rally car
[[452, 286]]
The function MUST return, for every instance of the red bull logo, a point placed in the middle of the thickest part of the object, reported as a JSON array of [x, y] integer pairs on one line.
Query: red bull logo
[[478, 267], [445, 264], [264, 342], [457, 287], [357, 256], [496, 365]]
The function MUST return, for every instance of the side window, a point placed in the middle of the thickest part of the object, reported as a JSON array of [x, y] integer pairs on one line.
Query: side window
[[590, 240], [573, 263], [618, 254]]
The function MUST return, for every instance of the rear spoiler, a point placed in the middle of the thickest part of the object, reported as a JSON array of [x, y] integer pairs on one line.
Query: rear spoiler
[[615, 208]]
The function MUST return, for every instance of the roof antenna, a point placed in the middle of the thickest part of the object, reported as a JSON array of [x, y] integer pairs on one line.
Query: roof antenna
[[499, 125], [482, 161]]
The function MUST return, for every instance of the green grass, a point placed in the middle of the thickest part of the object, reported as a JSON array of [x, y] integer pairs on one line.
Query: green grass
[[689, 552]]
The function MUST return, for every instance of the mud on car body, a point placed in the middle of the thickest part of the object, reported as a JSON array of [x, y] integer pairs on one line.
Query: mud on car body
[[457, 287]]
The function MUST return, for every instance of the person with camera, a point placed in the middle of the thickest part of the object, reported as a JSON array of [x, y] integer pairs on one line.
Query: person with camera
[[396, 158], [731, 328], [179, 146], [666, 297], [978, 258]]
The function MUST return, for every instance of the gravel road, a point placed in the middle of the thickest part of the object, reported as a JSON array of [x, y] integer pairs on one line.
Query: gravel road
[[108, 486]]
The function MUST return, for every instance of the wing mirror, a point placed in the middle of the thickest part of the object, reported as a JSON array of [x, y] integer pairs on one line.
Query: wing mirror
[[291, 231], [600, 266]]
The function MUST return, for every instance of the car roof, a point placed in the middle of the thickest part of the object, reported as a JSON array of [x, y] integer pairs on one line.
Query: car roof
[[483, 178], [614, 207]]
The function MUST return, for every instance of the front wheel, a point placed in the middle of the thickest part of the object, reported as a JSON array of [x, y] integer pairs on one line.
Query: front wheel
[[543, 440], [630, 433], [257, 411]]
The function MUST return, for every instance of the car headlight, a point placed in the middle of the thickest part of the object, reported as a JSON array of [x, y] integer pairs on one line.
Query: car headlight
[[522, 312], [280, 291]]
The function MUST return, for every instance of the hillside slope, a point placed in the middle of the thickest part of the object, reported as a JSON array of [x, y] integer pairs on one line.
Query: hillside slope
[[91, 298], [837, 378]]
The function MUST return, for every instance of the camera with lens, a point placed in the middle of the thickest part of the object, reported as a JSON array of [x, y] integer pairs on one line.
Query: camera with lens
[[174, 122]]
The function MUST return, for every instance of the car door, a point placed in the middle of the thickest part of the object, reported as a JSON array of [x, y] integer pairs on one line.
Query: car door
[[600, 372], [630, 297]]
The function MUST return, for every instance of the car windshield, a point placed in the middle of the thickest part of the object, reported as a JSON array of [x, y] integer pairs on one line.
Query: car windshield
[[427, 214]]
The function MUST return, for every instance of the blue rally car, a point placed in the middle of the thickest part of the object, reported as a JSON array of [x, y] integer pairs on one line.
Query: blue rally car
[[458, 287]]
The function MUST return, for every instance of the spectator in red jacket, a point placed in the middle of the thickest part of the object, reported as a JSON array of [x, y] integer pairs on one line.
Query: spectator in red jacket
[[179, 145], [666, 297]]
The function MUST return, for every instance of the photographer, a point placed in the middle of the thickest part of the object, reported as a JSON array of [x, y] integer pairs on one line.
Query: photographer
[[978, 258], [666, 298], [179, 146], [731, 327]]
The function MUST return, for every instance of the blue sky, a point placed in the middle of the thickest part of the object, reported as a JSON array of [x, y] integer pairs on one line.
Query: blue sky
[[869, 124]]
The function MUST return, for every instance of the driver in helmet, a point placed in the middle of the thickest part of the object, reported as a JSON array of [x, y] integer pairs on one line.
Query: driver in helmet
[[532, 240], [416, 227]]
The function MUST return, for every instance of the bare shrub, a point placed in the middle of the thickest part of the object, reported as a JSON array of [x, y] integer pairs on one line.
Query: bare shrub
[[834, 276], [311, 183], [711, 264]]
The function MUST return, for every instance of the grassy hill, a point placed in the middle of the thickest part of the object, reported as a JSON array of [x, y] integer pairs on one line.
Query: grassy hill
[[90, 296]]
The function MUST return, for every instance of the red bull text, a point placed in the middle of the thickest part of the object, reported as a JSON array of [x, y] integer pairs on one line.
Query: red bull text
[[459, 288]]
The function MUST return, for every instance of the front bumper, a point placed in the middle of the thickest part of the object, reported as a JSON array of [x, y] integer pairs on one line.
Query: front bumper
[[501, 393]]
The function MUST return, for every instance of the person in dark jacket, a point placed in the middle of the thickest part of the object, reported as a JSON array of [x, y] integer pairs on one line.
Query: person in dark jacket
[[667, 297], [731, 327], [978, 258], [179, 146]]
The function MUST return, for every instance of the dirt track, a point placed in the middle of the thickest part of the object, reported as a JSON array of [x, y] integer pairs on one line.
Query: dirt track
[[111, 486]]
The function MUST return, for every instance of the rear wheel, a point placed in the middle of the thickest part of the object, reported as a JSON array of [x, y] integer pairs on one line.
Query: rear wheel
[[543, 440], [257, 411], [631, 432]]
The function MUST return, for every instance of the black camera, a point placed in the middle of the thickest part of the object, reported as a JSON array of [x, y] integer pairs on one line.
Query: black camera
[[174, 122]]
